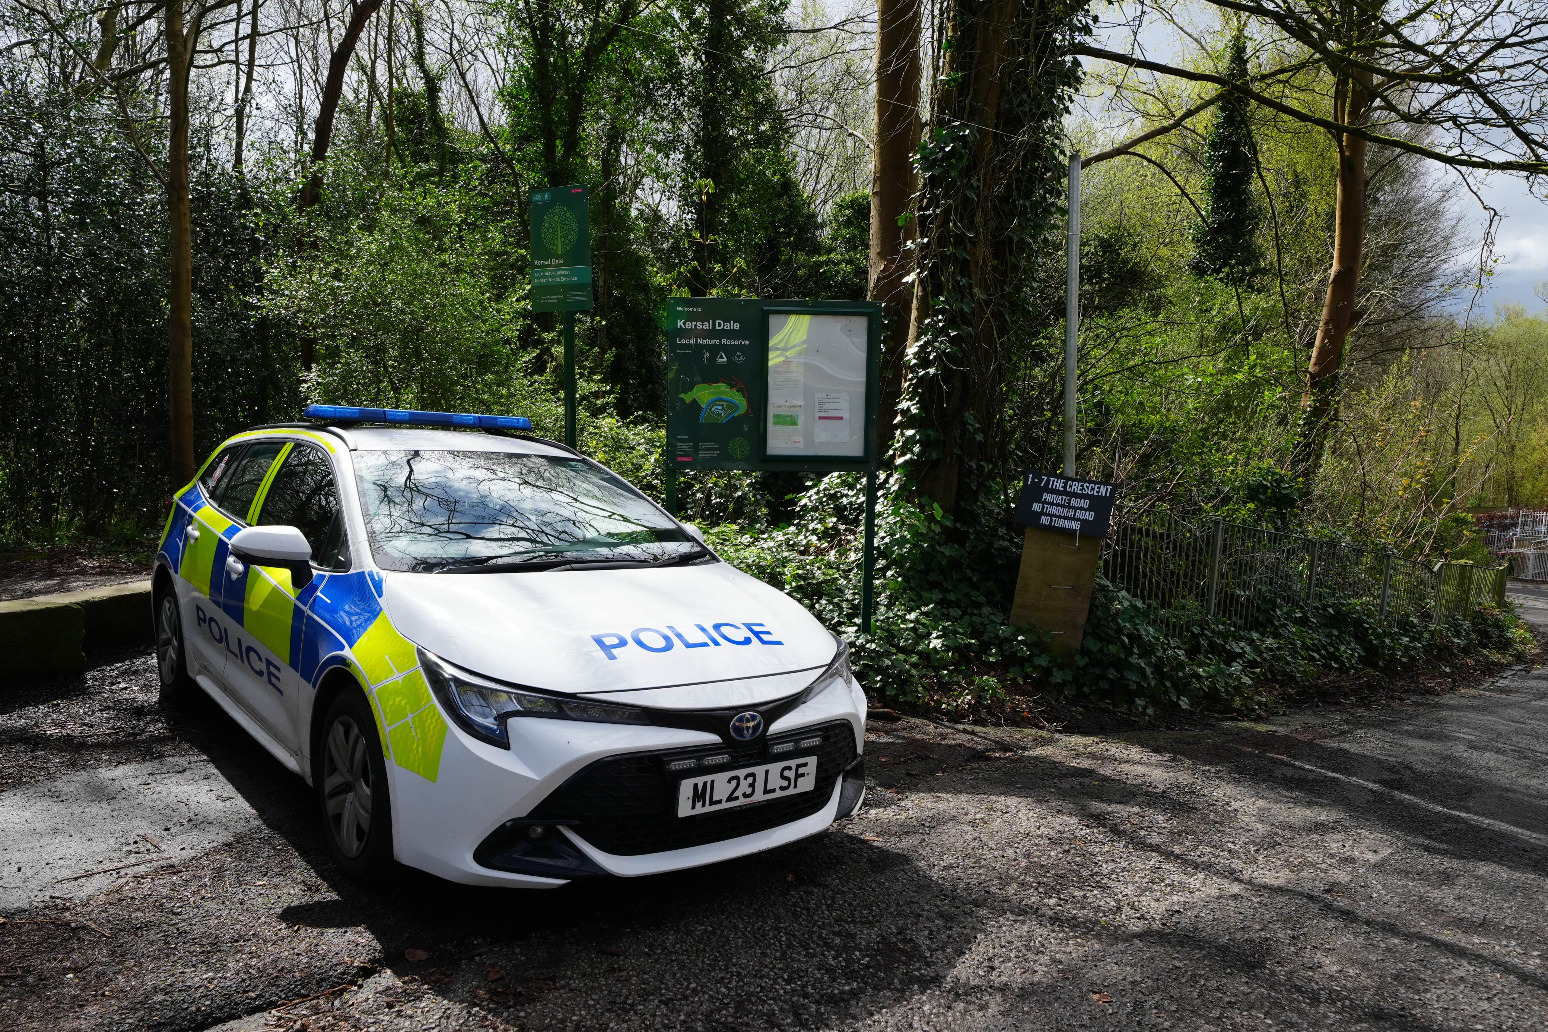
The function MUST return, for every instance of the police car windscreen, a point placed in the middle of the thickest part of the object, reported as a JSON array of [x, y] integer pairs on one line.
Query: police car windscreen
[[454, 510]]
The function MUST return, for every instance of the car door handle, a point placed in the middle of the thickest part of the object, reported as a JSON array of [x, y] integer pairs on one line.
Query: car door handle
[[193, 533], [234, 567]]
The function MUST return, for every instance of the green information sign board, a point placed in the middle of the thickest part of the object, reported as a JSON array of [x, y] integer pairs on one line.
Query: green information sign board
[[714, 386], [561, 250], [755, 384]]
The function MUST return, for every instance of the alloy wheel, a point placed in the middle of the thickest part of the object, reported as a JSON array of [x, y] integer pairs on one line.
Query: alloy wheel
[[347, 786], [169, 640]]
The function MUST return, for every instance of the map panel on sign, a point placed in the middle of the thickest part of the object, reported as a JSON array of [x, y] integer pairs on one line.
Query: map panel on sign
[[713, 355]]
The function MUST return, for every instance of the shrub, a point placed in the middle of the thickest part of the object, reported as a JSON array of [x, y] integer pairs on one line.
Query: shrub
[[940, 637]]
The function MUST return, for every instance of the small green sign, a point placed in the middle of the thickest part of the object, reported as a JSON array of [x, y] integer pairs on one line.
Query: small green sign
[[561, 250]]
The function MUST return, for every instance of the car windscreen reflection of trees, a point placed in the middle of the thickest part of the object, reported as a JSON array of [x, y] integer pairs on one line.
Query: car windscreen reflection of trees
[[426, 509]]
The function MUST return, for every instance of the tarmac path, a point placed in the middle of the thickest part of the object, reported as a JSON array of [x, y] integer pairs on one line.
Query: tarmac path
[[1344, 868]]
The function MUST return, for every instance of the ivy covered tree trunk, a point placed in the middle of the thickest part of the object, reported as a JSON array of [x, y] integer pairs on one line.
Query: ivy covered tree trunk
[[179, 250], [992, 173], [1226, 237]]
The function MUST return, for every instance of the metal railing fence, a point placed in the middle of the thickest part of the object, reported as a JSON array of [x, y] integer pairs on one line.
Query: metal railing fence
[[1211, 569], [1519, 537]]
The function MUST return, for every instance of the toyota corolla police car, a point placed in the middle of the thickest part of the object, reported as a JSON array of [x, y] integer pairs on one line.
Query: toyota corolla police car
[[494, 659]]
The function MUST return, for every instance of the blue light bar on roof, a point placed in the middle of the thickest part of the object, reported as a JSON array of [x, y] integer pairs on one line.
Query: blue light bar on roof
[[410, 417]]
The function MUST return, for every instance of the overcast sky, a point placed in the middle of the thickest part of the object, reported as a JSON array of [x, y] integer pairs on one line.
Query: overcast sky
[[1522, 244]]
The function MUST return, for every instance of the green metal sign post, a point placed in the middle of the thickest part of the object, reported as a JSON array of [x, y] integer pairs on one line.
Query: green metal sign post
[[776, 385], [561, 272]]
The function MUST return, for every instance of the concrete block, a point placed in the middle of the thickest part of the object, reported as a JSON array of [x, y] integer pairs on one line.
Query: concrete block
[[50, 633], [38, 636]]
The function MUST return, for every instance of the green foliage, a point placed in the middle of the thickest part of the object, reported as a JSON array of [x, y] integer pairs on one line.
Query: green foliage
[[420, 123], [1226, 237], [399, 302], [83, 338], [941, 640], [841, 269]]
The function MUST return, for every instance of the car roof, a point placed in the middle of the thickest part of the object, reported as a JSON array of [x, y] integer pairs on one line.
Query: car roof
[[407, 438], [393, 438]]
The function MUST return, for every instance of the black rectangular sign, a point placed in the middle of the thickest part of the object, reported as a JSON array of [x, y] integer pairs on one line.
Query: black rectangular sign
[[1082, 507]]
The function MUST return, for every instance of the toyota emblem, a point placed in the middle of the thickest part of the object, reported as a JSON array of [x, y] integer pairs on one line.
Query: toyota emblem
[[746, 726]]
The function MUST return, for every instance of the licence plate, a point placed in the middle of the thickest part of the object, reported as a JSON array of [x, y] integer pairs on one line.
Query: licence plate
[[748, 785]]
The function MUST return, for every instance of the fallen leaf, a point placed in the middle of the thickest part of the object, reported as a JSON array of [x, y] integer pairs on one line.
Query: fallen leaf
[[415, 955], [870, 838], [1101, 998], [790, 877], [612, 951], [493, 973]]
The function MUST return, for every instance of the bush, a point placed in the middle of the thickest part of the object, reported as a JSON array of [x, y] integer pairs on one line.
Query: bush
[[940, 637]]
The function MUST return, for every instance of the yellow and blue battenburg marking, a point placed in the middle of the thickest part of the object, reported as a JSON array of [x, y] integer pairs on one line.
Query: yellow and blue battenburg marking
[[335, 620]]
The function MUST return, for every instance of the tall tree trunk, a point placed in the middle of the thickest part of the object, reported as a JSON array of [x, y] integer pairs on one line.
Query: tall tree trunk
[[1319, 405], [392, 10], [893, 186], [603, 242], [247, 89], [992, 175], [714, 147], [370, 105], [180, 251], [328, 104]]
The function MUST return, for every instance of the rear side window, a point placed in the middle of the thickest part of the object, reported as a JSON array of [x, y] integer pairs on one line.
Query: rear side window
[[239, 485], [216, 471], [303, 495]]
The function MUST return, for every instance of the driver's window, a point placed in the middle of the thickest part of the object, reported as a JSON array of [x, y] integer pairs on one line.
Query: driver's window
[[303, 495]]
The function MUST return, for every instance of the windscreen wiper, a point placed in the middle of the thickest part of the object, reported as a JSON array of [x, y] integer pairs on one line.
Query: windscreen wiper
[[499, 564], [511, 564], [634, 564]]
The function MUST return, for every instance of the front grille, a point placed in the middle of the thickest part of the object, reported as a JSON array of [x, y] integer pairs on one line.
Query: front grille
[[627, 805]]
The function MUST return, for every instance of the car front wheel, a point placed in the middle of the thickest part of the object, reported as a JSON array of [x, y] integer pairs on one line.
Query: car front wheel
[[351, 780], [171, 656]]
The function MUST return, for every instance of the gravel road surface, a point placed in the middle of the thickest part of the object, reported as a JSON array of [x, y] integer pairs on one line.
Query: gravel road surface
[[1336, 869]]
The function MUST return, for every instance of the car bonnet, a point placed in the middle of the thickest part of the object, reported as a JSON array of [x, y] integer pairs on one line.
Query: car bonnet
[[683, 637]]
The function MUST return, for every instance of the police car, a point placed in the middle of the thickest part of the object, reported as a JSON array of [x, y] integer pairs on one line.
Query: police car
[[495, 660]]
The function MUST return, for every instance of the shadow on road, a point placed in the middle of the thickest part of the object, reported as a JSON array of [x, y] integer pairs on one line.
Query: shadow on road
[[817, 932]]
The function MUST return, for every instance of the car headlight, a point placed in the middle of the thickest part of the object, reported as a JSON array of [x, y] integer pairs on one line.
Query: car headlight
[[836, 672], [481, 706]]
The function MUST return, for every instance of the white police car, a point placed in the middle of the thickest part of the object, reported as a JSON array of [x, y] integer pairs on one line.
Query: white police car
[[494, 659]]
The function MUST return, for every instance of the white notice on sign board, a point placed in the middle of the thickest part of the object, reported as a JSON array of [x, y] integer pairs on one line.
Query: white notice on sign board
[[786, 377], [832, 418], [816, 383]]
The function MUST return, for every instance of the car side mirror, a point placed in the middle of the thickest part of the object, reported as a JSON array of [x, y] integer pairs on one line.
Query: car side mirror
[[277, 546], [694, 532]]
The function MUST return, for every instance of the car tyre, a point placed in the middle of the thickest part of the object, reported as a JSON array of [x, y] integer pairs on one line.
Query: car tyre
[[171, 648], [350, 776]]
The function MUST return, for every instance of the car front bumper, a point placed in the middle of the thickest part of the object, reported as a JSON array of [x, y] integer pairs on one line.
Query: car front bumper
[[597, 795]]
